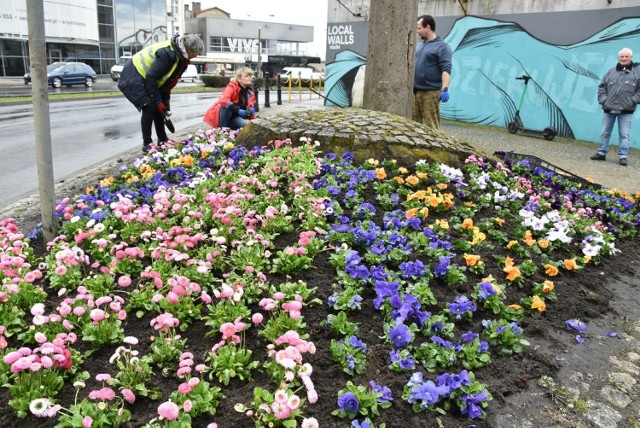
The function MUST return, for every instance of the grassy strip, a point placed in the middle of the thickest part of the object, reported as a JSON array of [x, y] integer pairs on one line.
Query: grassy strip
[[98, 94]]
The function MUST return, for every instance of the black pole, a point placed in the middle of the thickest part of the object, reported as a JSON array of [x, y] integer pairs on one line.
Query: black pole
[[256, 88], [266, 89], [279, 89]]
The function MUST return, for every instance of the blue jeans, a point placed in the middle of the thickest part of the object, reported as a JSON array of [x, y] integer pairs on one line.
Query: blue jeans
[[624, 125], [229, 120]]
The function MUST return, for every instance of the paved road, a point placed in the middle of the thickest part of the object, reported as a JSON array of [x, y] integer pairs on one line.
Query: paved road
[[83, 133]]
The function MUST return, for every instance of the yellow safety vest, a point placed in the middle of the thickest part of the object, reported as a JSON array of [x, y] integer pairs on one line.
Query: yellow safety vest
[[144, 59]]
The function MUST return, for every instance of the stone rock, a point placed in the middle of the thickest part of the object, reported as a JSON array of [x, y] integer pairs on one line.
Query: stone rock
[[365, 133]]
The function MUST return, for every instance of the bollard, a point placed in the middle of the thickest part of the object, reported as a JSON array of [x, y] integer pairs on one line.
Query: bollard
[[256, 89], [279, 89], [267, 103]]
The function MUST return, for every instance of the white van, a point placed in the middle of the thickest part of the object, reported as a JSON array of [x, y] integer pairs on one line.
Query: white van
[[191, 73], [305, 73]]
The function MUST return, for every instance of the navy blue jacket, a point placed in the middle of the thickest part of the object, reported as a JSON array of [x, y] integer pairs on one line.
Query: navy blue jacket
[[432, 58], [143, 90]]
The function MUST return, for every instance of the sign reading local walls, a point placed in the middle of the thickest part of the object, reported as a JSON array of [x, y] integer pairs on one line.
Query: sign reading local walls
[[68, 19], [350, 36]]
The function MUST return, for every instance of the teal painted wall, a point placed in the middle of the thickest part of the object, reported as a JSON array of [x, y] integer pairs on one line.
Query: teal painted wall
[[489, 54]]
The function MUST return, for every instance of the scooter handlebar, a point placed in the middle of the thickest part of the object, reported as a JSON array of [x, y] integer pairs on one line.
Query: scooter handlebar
[[524, 77]]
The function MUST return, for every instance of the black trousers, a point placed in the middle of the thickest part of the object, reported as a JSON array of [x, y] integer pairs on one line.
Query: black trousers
[[151, 116]]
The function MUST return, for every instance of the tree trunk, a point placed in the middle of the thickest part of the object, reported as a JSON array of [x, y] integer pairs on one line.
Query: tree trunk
[[388, 82]]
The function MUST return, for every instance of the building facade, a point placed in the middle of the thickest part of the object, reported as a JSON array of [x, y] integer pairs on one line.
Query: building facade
[[233, 43], [96, 32]]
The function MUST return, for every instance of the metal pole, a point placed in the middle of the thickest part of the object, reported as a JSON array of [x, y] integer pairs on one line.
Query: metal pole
[[41, 122], [267, 102], [259, 71], [279, 89], [256, 90]]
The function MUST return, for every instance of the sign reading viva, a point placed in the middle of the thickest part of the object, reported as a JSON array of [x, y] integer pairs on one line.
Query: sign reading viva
[[339, 35], [242, 45]]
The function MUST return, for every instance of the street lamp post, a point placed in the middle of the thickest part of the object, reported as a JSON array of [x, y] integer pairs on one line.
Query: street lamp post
[[259, 71]]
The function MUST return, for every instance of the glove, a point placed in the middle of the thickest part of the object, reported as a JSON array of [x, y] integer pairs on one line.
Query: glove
[[242, 113], [444, 96], [252, 111], [162, 108]]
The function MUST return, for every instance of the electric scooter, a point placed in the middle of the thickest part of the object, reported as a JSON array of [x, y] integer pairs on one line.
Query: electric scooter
[[516, 124]]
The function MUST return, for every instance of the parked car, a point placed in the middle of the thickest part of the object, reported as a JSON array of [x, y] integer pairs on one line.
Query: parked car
[[67, 73], [191, 73], [116, 70]]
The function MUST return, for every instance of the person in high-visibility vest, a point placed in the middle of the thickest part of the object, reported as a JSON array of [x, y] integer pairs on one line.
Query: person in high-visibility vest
[[149, 76]]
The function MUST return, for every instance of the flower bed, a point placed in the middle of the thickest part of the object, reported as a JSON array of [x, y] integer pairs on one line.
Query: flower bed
[[209, 284]]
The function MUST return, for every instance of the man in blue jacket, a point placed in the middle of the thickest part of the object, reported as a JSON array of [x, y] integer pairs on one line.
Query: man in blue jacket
[[432, 74], [618, 94], [149, 76]]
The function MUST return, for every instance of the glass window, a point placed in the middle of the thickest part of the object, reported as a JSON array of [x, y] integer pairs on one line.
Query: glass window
[[215, 44], [105, 15], [106, 32]]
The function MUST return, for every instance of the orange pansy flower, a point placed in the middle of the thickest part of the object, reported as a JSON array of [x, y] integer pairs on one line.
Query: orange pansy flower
[[413, 180], [543, 243], [422, 175], [425, 212], [528, 239], [420, 194], [467, 223], [399, 179], [411, 213], [508, 262], [515, 306], [441, 186], [434, 200], [380, 173], [513, 272], [511, 244], [471, 259], [538, 304], [570, 264], [551, 270], [499, 220], [547, 286]]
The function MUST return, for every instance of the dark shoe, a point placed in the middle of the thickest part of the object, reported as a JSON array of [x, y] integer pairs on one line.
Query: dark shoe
[[599, 157], [623, 162], [146, 148]]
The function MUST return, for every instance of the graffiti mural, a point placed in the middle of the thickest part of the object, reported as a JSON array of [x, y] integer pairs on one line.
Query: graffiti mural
[[489, 54]]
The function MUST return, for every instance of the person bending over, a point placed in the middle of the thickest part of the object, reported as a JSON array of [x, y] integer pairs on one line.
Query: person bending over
[[149, 76]]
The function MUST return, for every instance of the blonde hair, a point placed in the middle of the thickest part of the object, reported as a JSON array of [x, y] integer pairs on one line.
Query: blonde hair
[[242, 72]]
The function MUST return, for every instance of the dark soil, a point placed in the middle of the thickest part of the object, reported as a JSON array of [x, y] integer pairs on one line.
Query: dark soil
[[605, 297]]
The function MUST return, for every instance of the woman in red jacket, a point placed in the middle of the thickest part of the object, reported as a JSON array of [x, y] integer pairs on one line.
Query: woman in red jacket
[[234, 108]]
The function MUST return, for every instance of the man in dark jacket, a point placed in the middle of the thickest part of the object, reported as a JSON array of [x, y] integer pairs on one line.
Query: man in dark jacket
[[149, 76], [618, 93]]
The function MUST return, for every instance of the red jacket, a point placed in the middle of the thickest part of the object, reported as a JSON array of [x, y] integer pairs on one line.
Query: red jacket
[[233, 98]]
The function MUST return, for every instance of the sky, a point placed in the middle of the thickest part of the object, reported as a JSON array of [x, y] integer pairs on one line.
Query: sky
[[299, 12]]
